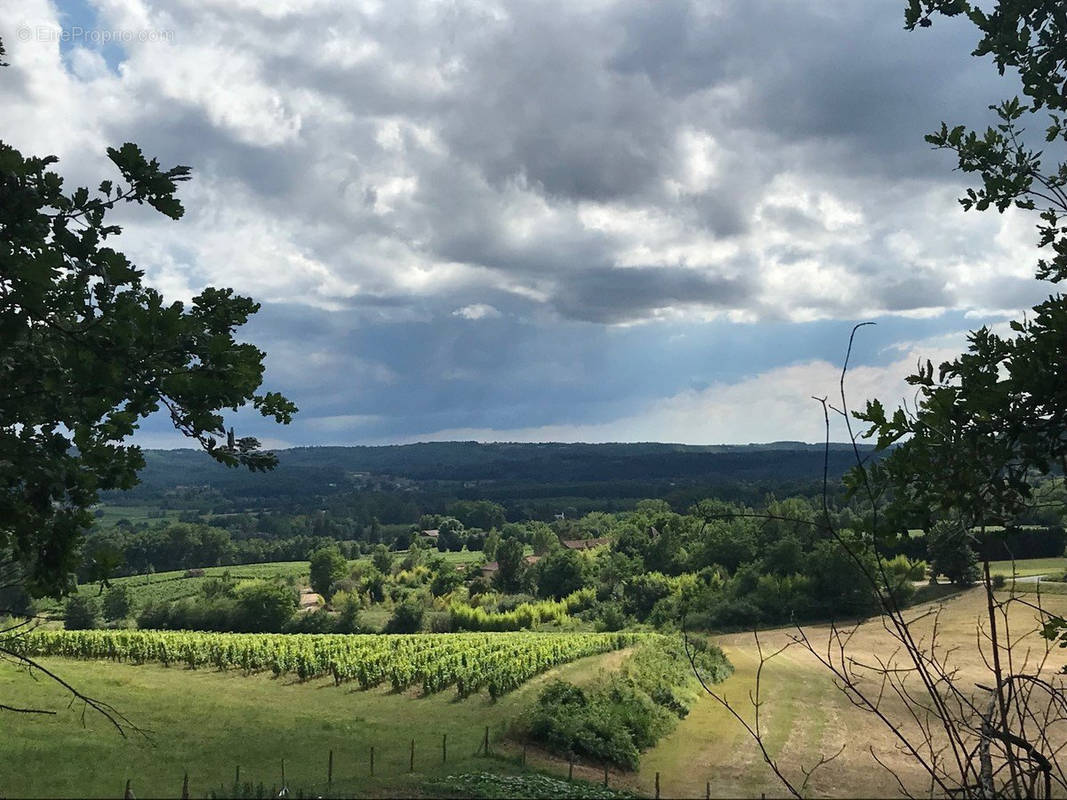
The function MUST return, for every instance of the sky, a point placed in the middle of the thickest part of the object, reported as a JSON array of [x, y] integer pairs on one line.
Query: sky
[[542, 221]]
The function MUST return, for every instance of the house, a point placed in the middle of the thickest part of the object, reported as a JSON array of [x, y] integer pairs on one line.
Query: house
[[585, 544], [431, 534], [490, 569], [530, 560]]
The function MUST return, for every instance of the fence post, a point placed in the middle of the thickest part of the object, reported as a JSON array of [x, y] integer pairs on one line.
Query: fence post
[[329, 771], [570, 766], [185, 786], [128, 794], [657, 786], [284, 784], [486, 743], [372, 761], [237, 776], [411, 762], [707, 791], [524, 754], [444, 748], [605, 775]]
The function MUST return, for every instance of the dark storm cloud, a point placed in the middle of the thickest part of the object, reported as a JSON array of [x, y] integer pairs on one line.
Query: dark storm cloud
[[566, 167], [568, 104], [622, 295]]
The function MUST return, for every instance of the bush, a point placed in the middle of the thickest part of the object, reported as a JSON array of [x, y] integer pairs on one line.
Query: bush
[[407, 618], [617, 717], [318, 621], [263, 606], [327, 567], [118, 602], [999, 581], [610, 618], [81, 613], [348, 621]]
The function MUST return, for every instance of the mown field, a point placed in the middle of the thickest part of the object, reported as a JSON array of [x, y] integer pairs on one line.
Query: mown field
[[807, 717], [1026, 567]]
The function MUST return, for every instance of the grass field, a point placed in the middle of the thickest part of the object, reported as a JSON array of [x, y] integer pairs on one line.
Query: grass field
[[209, 722], [107, 515], [807, 716], [1053, 567]]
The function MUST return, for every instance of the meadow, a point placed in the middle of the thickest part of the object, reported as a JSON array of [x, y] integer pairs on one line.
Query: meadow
[[209, 723], [808, 717], [256, 721]]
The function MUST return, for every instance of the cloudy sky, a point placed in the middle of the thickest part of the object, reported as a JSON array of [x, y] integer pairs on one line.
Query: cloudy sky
[[572, 221]]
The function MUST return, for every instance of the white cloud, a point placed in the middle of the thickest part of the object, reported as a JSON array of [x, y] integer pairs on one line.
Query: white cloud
[[477, 311]]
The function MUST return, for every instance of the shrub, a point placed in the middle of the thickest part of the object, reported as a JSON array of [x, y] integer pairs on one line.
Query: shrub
[[617, 717], [327, 567], [407, 618], [263, 606], [348, 621], [118, 602], [610, 618], [318, 621], [81, 613]]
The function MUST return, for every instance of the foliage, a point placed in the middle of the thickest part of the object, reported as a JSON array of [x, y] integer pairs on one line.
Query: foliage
[[560, 573], [951, 554], [986, 419], [90, 350], [118, 602], [509, 560], [523, 617], [327, 567], [81, 612], [407, 618], [470, 662], [264, 605], [530, 785], [622, 714], [382, 559]]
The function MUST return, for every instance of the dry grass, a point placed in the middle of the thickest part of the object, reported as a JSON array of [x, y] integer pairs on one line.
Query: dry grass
[[807, 717]]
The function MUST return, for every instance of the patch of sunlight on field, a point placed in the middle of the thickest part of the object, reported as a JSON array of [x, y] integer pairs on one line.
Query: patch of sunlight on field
[[1025, 567]]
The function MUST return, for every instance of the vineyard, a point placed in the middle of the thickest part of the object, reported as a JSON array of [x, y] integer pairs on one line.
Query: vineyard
[[470, 662]]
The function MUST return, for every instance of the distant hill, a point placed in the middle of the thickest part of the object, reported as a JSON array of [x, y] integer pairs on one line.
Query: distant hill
[[501, 470]]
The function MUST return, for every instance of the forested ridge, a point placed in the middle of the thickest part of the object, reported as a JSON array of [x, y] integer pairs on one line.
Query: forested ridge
[[500, 471]]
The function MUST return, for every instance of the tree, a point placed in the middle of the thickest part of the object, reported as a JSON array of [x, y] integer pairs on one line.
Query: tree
[[449, 535], [982, 426], [407, 618], [483, 514], [949, 550], [492, 542], [382, 559], [264, 606], [544, 540], [81, 612], [509, 561], [327, 567], [118, 602], [90, 350], [560, 573]]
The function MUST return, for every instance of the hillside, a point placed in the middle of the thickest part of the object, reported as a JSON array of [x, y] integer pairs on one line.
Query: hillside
[[501, 471]]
